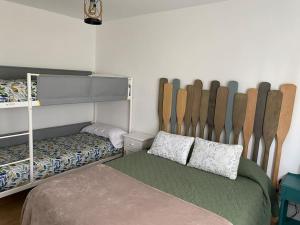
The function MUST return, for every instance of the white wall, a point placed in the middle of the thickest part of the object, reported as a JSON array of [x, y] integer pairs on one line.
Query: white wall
[[37, 38], [249, 41]]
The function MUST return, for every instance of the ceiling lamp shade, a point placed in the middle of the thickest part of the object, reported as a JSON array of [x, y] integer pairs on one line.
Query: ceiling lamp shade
[[93, 12]]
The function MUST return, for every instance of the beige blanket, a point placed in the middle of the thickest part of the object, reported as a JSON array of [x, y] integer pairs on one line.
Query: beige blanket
[[100, 195]]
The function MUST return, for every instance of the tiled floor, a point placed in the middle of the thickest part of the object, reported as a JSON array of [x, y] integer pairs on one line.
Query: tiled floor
[[10, 209]]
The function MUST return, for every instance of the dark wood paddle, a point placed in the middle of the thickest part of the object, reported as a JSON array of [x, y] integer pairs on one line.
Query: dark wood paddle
[[167, 105], [180, 108], [203, 112], [263, 91], [271, 120], [211, 107], [220, 112], [285, 118], [176, 86], [232, 89], [162, 81], [188, 110], [249, 118], [196, 105], [239, 114]]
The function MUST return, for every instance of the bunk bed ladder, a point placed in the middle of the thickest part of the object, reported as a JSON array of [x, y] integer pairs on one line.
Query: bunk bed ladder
[[29, 132]]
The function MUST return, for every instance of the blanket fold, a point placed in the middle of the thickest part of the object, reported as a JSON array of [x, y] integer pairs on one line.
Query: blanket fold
[[101, 195]]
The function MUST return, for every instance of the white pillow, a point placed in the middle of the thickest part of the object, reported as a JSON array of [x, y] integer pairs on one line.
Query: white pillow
[[114, 134], [217, 158], [172, 146]]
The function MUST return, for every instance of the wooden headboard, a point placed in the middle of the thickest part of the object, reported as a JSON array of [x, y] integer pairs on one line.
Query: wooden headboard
[[264, 113]]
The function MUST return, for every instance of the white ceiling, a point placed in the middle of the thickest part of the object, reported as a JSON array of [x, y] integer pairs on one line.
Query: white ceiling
[[113, 9]]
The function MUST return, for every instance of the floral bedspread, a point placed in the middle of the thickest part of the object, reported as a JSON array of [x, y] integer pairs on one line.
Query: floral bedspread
[[52, 156], [16, 90]]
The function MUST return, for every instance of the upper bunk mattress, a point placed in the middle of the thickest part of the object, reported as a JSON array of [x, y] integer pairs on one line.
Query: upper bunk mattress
[[16, 90], [52, 156]]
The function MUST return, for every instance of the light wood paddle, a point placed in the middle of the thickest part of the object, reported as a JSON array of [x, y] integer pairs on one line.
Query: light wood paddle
[[180, 108], [285, 118], [239, 114], [188, 110], [232, 89], [176, 86], [203, 112], [167, 105], [220, 112], [249, 118], [263, 91], [211, 107], [271, 120], [196, 105], [162, 81]]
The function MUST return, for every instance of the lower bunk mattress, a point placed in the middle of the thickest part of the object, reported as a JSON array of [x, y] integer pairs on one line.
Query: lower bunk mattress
[[52, 156]]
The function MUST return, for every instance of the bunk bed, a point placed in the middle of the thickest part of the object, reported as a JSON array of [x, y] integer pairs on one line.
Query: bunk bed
[[29, 158]]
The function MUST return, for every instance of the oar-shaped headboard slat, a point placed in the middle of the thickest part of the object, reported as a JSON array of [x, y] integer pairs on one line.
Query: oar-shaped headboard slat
[[180, 108], [263, 91], [285, 118], [203, 112], [232, 89], [211, 107], [167, 105], [176, 86], [239, 114], [188, 110], [162, 82], [271, 120], [196, 105], [220, 114], [249, 118]]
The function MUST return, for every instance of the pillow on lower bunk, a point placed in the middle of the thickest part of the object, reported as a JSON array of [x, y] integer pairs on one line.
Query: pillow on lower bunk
[[172, 146], [114, 134], [217, 158]]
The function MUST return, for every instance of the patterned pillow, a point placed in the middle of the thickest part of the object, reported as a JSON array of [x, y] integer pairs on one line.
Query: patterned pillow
[[217, 158], [172, 146]]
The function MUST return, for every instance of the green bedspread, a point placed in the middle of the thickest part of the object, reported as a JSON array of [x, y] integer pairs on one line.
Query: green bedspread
[[245, 201]]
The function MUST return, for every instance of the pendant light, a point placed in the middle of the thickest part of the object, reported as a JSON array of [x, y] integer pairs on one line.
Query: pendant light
[[93, 12]]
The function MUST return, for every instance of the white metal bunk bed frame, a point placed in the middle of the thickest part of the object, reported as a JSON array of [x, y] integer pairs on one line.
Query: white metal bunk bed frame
[[30, 104]]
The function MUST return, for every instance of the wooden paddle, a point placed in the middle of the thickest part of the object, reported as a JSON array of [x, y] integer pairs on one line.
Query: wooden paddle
[[162, 81], [176, 86], [232, 89], [188, 110], [285, 118], [271, 120], [180, 108], [211, 107], [239, 113], [220, 112], [263, 91], [167, 105], [196, 105], [249, 118], [203, 112]]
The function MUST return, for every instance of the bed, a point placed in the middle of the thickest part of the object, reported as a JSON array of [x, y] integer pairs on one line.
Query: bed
[[106, 199], [52, 156], [22, 166]]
